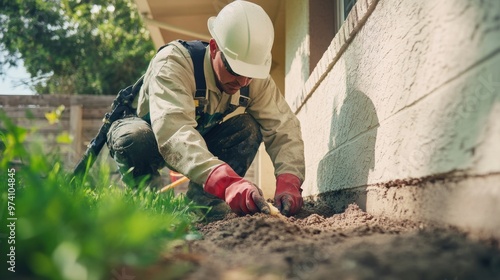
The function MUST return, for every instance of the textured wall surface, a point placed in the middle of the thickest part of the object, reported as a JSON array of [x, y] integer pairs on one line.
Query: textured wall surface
[[297, 46], [412, 92]]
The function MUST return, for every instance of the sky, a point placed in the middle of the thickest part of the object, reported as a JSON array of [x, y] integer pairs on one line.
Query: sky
[[9, 83]]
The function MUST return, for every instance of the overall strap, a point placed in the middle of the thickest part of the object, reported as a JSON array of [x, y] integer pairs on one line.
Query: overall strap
[[244, 96], [197, 51]]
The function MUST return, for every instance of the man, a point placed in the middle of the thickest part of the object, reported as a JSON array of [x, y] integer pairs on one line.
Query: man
[[171, 131]]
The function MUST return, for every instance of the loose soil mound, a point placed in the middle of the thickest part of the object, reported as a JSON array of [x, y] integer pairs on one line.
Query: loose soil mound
[[350, 245]]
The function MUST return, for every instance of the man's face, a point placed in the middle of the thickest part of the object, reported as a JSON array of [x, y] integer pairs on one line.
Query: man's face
[[226, 79]]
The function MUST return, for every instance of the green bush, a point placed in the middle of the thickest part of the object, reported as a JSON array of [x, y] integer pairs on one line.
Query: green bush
[[71, 229]]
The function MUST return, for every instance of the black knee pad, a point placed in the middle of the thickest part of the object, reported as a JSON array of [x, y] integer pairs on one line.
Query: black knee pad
[[132, 143], [131, 136]]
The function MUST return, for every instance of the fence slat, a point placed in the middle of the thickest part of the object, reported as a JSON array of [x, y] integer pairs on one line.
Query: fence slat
[[75, 125], [39, 112], [56, 100]]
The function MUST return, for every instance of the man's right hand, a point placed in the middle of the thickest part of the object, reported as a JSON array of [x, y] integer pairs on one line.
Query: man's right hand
[[242, 196]]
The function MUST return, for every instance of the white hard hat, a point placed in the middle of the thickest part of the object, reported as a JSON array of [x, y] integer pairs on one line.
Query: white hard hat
[[245, 35]]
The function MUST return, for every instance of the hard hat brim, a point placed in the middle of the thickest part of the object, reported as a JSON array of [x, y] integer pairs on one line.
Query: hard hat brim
[[248, 70]]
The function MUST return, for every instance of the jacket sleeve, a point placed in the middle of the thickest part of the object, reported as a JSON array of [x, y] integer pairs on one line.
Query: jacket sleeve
[[280, 128], [169, 85]]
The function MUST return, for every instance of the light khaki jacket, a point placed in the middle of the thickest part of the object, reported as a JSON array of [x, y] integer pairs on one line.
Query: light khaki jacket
[[167, 97]]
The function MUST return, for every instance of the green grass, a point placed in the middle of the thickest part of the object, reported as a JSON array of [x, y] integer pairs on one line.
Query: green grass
[[73, 229]]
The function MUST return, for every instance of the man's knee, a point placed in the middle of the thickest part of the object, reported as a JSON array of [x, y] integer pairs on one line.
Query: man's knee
[[236, 141], [248, 126], [240, 130], [131, 136], [132, 143]]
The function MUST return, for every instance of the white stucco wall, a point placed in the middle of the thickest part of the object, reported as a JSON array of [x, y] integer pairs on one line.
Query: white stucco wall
[[297, 47], [416, 92]]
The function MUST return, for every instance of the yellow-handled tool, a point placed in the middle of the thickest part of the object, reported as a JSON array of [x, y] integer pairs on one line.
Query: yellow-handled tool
[[170, 186], [274, 211]]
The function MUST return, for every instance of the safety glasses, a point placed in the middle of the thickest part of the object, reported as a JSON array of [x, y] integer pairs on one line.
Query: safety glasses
[[226, 65]]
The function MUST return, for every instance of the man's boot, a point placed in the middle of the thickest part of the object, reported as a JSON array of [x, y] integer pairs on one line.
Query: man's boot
[[212, 207]]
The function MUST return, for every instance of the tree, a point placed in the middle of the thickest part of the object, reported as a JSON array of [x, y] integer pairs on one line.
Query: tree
[[75, 46]]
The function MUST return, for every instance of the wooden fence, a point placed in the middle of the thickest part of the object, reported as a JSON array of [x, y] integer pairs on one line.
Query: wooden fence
[[81, 118]]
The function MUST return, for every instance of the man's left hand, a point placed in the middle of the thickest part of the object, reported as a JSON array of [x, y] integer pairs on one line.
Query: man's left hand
[[288, 196]]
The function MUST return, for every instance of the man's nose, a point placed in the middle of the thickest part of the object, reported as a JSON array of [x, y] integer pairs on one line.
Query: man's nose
[[243, 81]]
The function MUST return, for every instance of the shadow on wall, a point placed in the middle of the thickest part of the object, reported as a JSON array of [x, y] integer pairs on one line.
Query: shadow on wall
[[343, 171]]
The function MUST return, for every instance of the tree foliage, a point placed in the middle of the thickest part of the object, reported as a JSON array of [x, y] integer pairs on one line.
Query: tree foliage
[[75, 46]]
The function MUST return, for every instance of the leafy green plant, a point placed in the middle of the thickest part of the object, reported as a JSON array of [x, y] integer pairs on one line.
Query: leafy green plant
[[74, 229], [73, 46]]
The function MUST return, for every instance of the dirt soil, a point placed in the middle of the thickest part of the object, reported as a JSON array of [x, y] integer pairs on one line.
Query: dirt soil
[[349, 245]]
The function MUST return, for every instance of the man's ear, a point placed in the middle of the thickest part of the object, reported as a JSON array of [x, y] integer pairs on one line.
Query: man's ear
[[213, 48]]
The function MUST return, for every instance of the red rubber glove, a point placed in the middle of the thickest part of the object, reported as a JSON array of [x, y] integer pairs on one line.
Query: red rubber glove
[[288, 195], [242, 196]]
